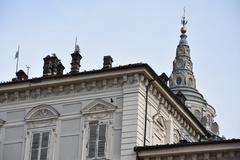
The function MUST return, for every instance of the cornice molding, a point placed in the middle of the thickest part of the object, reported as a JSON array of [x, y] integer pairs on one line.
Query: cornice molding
[[67, 87]]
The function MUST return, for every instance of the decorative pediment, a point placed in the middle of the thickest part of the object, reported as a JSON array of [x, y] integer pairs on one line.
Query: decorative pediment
[[98, 106], [41, 112], [160, 121]]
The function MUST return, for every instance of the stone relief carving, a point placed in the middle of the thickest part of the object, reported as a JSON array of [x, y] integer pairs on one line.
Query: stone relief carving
[[98, 106], [161, 122], [46, 92], [41, 112]]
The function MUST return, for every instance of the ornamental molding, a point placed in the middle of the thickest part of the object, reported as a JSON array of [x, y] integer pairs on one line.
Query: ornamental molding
[[42, 112], [172, 109], [98, 106], [68, 87], [160, 121]]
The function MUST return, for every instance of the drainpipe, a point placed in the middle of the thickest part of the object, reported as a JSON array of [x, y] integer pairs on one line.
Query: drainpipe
[[146, 107]]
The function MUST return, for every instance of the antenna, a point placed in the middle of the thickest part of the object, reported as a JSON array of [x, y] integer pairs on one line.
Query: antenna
[[17, 57], [28, 68]]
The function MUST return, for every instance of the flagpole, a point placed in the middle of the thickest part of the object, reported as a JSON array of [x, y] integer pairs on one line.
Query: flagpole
[[17, 56]]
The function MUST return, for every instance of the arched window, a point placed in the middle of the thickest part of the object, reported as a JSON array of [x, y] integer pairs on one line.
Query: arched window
[[190, 82], [178, 80]]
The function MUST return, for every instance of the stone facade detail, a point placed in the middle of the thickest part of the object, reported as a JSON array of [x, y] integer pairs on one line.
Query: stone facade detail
[[64, 108], [183, 80]]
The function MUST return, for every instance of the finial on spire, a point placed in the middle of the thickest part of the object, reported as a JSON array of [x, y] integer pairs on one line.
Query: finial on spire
[[183, 22], [77, 48]]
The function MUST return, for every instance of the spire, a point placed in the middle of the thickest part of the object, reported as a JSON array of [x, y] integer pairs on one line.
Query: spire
[[183, 83], [77, 48], [183, 40], [184, 23], [182, 74], [76, 57]]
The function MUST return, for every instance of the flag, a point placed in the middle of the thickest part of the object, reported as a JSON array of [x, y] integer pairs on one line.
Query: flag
[[17, 53]]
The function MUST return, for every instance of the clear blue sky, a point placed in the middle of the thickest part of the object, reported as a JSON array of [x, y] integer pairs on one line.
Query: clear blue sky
[[131, 31]]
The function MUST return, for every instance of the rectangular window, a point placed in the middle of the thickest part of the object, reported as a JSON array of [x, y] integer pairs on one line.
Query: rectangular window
[[97, 140], [40, 146]]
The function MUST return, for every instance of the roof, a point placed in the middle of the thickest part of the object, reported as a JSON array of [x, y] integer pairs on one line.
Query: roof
[[114, 69], [177, 145]]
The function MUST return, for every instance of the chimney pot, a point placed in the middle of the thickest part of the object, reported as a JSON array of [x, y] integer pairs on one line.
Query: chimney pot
[[107, 62], [21, 75]]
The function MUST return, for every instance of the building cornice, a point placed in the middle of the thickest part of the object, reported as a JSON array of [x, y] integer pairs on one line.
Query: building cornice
[[45, 87]]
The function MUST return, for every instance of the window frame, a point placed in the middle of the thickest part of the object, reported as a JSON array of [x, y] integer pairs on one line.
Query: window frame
[[41, 118], [40, 147], [96, 154]]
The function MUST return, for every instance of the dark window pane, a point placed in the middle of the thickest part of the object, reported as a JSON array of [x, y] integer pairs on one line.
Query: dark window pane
[[35, 141], [102, 140], [93, 132], [102, 131], [91, 149], [101, 148], [43, 155], [34, 154], [45, 138]]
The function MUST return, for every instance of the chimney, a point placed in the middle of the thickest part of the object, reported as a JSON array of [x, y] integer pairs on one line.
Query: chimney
[[21, 75], [181, 97], [107, 62], [76, 57], [164, 78], [60, 68], [52, 66], [47, 66]]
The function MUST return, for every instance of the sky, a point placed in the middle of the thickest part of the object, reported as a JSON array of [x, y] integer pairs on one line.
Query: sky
[[131, 32]]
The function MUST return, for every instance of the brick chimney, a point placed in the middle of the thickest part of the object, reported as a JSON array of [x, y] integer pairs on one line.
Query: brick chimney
[[107, 62], [164, 78], [52, 66], [181, 97], [76, 57], [21, 75]]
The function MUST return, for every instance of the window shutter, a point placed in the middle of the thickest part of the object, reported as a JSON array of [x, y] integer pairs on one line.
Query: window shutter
[[92, 140], [35, 146], [101, 140]]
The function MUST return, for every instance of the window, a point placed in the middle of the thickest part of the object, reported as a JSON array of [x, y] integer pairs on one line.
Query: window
[[97, 139], [40, 145], [178, 81], [41, 133], [190, 82]]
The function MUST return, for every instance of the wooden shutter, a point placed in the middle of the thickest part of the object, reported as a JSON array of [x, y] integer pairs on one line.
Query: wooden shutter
[[35, 146], [101, 140], [92, 140]]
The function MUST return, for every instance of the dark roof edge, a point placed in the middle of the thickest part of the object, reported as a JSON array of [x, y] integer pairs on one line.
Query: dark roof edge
[[135, 65], [130, 66], [144, 148], [178, 101]]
